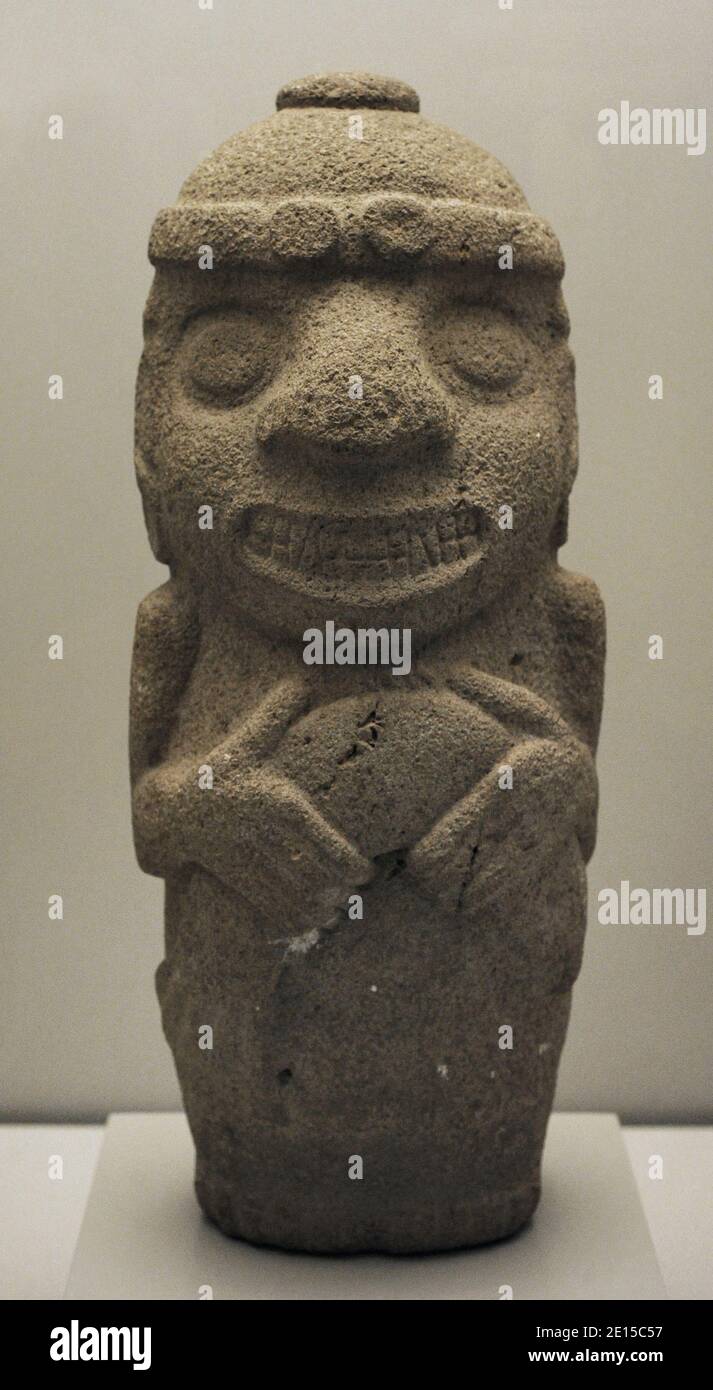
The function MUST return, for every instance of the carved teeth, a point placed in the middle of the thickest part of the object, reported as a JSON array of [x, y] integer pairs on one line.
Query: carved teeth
[[375, 548], [418, 558], [431, 544], [295, 549], [447, 537]]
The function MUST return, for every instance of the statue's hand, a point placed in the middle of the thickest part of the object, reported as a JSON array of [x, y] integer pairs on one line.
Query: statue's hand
[[253, 828], [494, 842]]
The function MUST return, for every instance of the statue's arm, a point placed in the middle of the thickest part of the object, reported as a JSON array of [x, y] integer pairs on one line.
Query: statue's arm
[[499, 833], [252, 829], [579, 628], [165, 648]]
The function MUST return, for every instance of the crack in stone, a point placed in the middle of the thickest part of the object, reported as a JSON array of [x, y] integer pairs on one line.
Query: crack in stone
[[467, 878]]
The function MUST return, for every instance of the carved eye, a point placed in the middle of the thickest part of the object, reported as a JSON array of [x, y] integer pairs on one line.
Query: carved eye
[[484, 346], [226, 355]]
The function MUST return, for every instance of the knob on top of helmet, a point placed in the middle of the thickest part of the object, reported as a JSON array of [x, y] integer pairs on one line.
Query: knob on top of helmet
[[348, 89]]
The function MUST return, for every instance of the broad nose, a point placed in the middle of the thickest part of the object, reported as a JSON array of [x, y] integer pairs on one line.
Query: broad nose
[[357, 384]]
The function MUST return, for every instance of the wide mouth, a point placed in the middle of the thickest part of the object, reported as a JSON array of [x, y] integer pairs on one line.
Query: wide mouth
[[377, 557]]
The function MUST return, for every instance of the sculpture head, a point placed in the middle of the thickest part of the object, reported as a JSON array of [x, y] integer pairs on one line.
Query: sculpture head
[[356, 355]]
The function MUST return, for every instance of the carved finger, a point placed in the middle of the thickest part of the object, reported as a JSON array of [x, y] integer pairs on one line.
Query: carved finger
[[333, 855], [258, 735], [513, 705]]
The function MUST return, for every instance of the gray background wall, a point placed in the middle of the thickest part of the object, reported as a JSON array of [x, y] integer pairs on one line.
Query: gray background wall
[[145, 89]]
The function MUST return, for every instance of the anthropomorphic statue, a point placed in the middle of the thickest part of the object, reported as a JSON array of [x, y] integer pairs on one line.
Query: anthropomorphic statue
[[356, 407]]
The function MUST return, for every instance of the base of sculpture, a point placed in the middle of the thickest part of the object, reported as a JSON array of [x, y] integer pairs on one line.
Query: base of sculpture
[[412, 1230], [337, 1118], [143, 1236]]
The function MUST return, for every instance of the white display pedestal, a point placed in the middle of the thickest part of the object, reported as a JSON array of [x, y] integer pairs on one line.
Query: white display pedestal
[[143, 1236]]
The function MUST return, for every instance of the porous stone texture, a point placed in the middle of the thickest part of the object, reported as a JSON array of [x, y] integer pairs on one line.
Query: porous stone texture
[[356, 405]]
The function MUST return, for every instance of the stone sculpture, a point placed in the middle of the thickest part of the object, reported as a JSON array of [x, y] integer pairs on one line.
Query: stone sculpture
[[356, 423]]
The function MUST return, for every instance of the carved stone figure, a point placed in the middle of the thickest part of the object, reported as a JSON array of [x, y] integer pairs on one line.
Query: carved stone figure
[[355, 407]]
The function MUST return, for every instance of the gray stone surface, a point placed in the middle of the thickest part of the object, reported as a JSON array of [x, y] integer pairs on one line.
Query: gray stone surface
[[143, 1237], [340, 366]]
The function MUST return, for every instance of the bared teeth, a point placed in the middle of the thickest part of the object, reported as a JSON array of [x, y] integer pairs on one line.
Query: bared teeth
[[464, 521], [260, 534], [431, 545], [375, 548], [398, 552], [332, 540], [310, 554], [417, 555], [447, 537], [298, 536], [357, 569], [280, 539]]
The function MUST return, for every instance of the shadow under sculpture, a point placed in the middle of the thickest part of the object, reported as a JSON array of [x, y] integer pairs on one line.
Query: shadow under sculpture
[[356, 407]]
